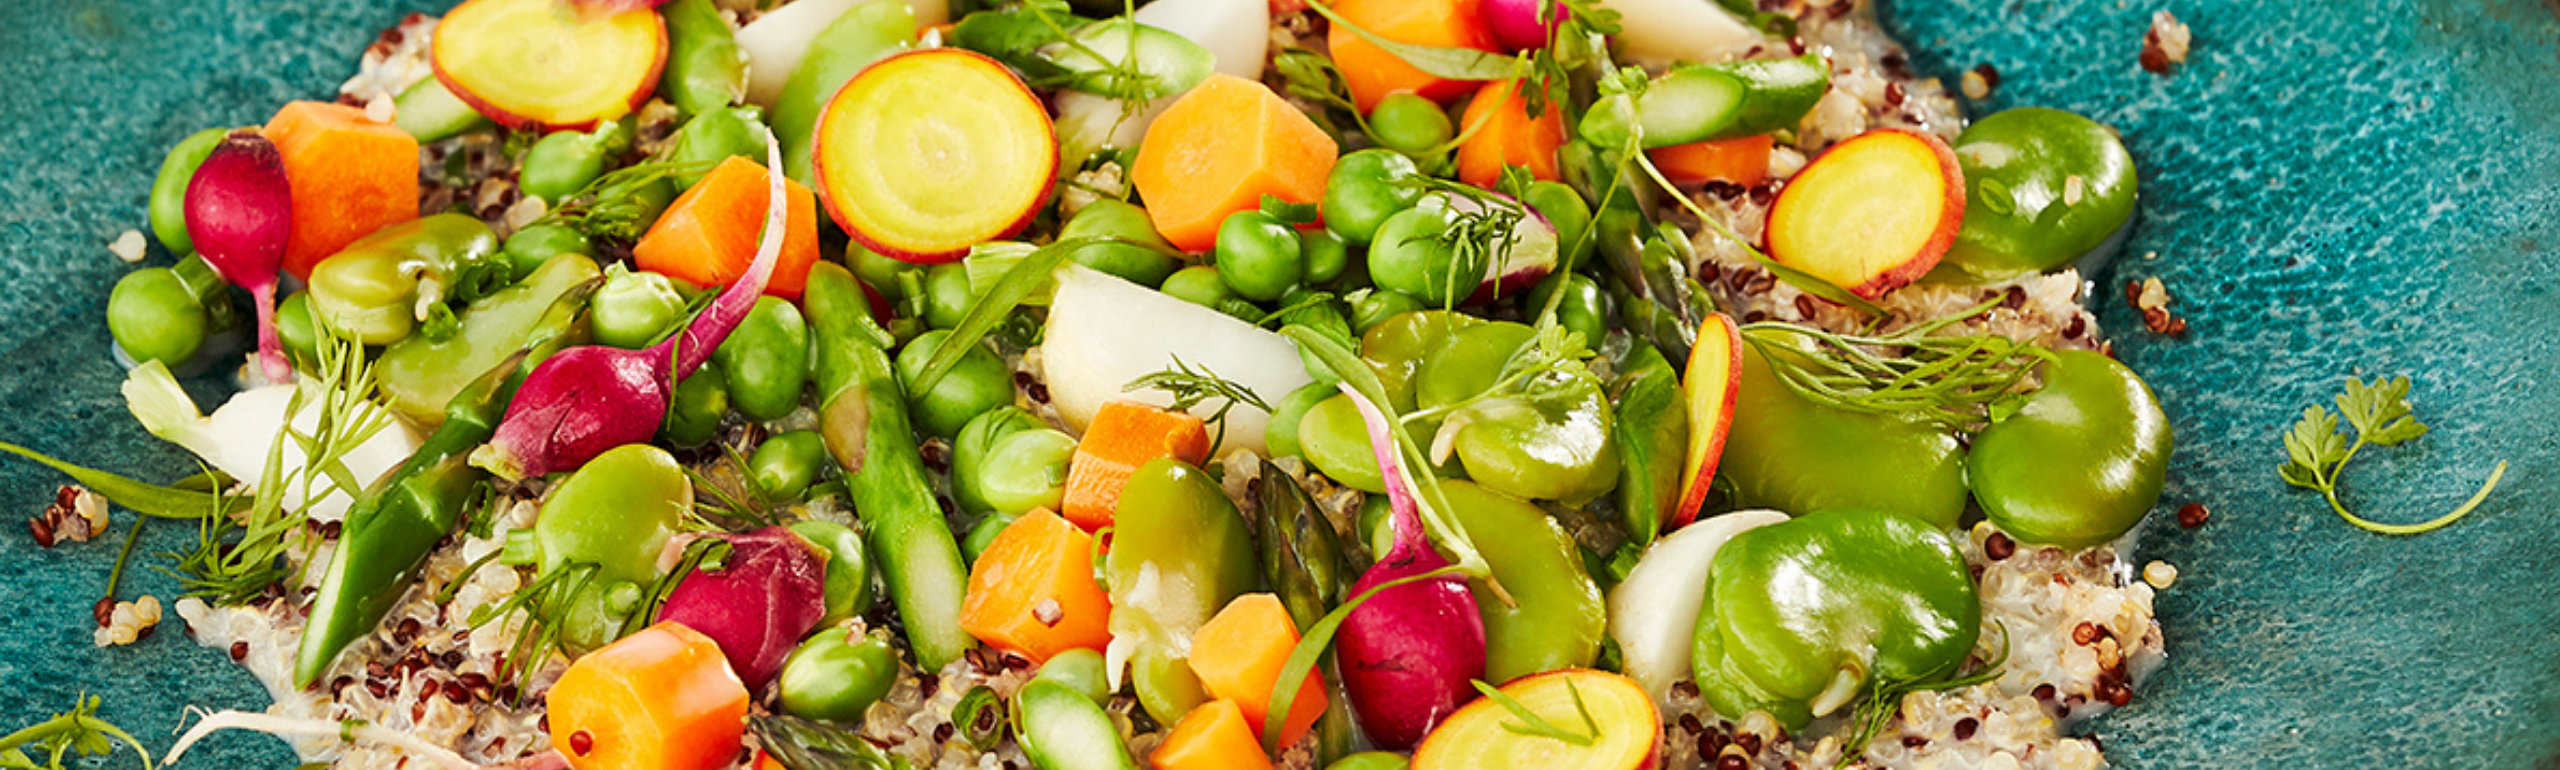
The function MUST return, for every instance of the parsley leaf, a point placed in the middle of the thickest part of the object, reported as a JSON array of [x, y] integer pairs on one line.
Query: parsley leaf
[[2316, 452]]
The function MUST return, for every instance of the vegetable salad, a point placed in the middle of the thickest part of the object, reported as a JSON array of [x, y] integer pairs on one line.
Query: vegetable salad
[[1190, 384]]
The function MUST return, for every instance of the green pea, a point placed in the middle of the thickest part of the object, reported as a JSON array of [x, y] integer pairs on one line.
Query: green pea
[[848, 567], [1146, 261], [1410, 124], [785, 465], [947, 294], [1366, 188], [564, 162], [528, 248], [154, 318], [1324, 256], [1281, 434], [766, 360], [1198, 285], [1369, 307], [1079, 669], [298, 331], [836, 675], [1027, 470], [695, 409], [1410, 257], [169, 190], [1257, 255], [1565, 210], [1376, 513], [1583, 309], [634, 308], [983, 534], [1370, 760], [969, 451], [979, 383]]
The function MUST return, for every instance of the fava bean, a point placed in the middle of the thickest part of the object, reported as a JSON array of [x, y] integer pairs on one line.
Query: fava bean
[[564, 162], [634, 308], [1079, 669], [836, 675], [169, 189], [849, 590], [696, 408], [705, 70], [1145, 260], [766, 360], [785, 465], [1281, 434], [970, 447], [153, 317], [980, 382], [947, 294], [1027, 470]]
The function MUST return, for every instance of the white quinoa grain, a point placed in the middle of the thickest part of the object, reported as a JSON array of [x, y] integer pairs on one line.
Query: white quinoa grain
[[1975, 87], [2159, 574], [2073, 189]]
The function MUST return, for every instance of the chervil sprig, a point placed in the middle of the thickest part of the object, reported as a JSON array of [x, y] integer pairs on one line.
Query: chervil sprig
[[2316, 452]]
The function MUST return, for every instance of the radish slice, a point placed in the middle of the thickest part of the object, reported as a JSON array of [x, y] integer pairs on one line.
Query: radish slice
[[1105, 332], [1653, 614], [929, 152], [538, 64]]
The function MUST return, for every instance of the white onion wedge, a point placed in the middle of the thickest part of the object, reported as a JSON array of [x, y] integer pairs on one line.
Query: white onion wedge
[[1238, 32], [1105, 332], [776, 42], [1665, 31], [1653, 615]]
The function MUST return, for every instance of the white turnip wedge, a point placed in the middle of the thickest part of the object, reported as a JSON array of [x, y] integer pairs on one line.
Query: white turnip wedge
[[1105, 332], [1653, 614]]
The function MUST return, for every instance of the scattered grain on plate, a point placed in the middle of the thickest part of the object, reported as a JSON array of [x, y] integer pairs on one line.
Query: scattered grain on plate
[[75, 515], [2165, 46], [380, 108], [129, 622], [1976, 86], [2160, 574], [127, 246], [2193, 515]]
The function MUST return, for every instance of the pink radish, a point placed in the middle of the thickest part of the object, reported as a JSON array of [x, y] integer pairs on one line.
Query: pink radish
[[239, 213], [1409, 653], [758, 604], [1516, 23], [588, 399]]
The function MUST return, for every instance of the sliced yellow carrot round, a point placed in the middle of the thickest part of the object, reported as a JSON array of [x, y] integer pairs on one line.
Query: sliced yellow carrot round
[[927, 153], [1621, 731], [549, 63], [1872, 214]]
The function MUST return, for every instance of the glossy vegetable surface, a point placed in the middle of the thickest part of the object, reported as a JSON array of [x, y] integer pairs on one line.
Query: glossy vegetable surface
[[2082, 460]]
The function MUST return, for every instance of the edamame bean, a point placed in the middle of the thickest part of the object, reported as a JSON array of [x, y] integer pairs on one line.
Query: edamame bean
[[849, 590], [695, 410]]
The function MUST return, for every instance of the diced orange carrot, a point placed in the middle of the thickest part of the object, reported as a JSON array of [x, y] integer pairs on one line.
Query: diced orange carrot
[[1211, 737], [1373, 73], [1505, 135], [1743, 161], [661, 699], [1218, 150], [1032, 591], [1123, 436], [1238, 655], [709, 234], [350, 176], [766, 761]]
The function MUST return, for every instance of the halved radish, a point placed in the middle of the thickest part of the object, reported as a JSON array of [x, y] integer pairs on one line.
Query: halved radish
[[929, 152], [1528, 259], [1711, 382], [1872, 214], [549, 64]]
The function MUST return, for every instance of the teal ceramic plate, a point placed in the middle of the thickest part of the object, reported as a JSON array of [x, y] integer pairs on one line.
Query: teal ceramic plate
[[2329, 189]]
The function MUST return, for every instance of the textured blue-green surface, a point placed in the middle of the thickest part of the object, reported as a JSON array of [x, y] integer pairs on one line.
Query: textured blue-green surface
[[2329, 188]]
